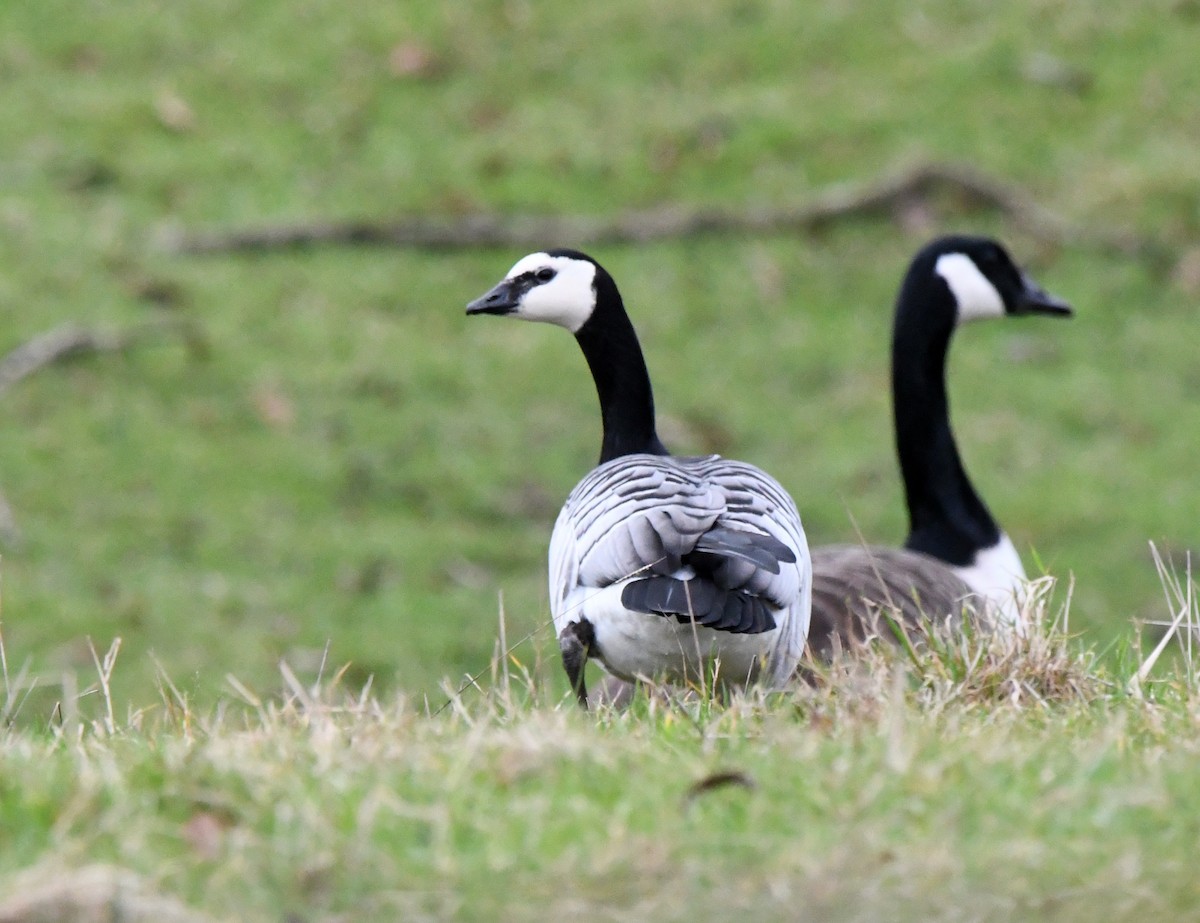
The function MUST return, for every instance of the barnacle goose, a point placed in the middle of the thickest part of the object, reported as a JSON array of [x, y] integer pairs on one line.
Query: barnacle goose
[[660, 566], [955, 552]]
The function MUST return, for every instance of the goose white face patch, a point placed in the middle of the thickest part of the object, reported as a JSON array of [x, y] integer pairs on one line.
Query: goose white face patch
[[977, 298], [567, 299]]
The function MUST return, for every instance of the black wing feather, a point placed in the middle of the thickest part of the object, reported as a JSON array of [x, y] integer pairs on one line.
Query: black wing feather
[[757, 548], [669, 596], [709, 606]]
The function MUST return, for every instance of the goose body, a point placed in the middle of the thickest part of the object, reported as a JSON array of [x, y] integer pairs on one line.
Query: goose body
[[956, 560], [660, 566], [855, 585], [677, 561]]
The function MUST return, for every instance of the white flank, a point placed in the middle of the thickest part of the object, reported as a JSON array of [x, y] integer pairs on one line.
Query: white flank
[[977, 298], [998, 576], [633, 645], [567, 300]]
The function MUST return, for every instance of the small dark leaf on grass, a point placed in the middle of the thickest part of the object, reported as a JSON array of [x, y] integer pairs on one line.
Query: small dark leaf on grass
[[698, 431], [379, 386], [767, 274], [495, 164], [274, 408], [360, 478], [711, 137], [1186, 274], [414, 60], [1187, 9], [90, 175], [467, 574], [917, 217], [529, 500], [1052, 71], [205, 833], [173, 112], [664, 155], [715, 780], [163, 293], [85, 59], [363, 579], [486, 115]]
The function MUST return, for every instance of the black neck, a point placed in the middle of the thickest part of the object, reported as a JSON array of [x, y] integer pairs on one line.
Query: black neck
[[614, 355], [947, 519]]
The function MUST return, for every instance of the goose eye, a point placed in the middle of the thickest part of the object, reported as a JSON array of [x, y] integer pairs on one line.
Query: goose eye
[[544, 275]]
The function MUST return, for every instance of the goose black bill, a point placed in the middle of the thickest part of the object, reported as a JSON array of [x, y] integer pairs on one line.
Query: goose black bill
[[503, 299], [1036, 300]]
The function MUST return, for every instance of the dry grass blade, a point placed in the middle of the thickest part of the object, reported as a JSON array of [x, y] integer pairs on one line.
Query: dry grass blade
[[454, 694], [960, 665], [1040, 665], [242, 690], [174, 701], [472, 680], [16, 688], [299, 693], [104, 669], [1181, 602]]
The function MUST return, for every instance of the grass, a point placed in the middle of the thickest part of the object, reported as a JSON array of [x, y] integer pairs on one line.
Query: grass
[[351, 462], [987, 778], [353, 473]]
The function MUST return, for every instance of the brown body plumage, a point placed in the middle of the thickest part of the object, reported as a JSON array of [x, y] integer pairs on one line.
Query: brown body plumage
[[853, 586]]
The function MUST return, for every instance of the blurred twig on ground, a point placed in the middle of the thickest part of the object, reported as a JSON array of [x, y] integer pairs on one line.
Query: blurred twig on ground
[[71, 341], [964, 187]]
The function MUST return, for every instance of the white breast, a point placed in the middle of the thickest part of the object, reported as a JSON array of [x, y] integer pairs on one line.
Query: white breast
[[997, 575]]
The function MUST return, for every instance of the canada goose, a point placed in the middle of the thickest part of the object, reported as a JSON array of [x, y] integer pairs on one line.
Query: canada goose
[[955, 551], [659, 566]]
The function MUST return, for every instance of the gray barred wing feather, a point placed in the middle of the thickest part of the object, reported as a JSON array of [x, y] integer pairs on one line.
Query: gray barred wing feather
[[646, 516], [634, 514]]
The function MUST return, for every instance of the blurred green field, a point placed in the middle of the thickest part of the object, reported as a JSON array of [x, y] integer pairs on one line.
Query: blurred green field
[[351, 462]]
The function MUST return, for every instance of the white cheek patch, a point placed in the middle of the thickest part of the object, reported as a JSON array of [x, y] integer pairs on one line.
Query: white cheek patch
[[567, 300], [977, 298]]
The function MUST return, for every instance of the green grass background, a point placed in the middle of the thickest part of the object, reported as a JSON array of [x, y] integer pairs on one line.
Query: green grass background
[[353, 462]]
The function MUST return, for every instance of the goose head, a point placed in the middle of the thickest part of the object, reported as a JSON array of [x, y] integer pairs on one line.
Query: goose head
[[983, 281], [571, 290], [553, 287]]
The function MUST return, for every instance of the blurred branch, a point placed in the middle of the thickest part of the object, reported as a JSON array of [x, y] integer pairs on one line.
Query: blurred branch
[[880, 197], [71, 341]]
